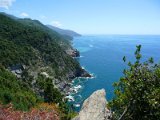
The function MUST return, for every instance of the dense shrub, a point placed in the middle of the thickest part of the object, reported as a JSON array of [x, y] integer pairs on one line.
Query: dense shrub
[[138, 92], [15, 91]]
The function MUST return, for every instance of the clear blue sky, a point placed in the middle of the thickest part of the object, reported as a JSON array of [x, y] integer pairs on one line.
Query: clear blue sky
[[91, 16]]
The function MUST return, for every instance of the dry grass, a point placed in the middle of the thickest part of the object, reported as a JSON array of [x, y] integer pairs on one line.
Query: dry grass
[[43, 111]]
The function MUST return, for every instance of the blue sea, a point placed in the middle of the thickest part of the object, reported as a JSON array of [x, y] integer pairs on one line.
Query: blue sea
[[102, 55]]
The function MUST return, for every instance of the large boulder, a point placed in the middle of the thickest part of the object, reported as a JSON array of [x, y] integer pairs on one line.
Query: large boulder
[[94, 107]]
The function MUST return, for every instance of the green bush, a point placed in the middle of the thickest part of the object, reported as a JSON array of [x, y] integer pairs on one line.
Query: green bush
[[15, 91], [137, 94]]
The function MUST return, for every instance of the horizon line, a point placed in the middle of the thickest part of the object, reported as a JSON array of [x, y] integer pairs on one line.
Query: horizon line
[[120, 34]]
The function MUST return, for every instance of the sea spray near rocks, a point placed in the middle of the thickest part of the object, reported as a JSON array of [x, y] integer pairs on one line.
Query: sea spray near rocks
[[74, 92]]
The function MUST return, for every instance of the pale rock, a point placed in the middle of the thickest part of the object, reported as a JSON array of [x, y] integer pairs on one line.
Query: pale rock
[[95, 107]]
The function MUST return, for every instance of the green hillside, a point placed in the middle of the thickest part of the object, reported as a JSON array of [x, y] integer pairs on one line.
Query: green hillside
[[29, 43], [15, 91], [25, 41]]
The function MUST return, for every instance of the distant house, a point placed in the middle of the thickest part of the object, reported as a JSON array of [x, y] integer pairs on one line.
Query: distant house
[[17, 69]]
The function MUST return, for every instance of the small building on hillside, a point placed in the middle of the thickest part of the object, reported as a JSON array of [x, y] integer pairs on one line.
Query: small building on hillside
[[17, 69]]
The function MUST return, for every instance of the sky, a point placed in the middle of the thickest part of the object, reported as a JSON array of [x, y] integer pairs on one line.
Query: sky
[[91, 16]]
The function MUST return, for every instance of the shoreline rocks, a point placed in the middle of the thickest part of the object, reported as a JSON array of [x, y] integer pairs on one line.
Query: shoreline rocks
[[82, 73], [73, 52], [85, 74], [65, 86], [94, 107]]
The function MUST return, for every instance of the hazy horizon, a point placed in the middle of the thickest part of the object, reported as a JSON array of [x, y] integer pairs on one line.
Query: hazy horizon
[[123, 17]]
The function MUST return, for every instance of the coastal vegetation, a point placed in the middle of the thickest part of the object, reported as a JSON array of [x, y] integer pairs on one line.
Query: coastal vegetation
[[23, 98], [37, 65], [15, 91], [33, 64], [137, 92]]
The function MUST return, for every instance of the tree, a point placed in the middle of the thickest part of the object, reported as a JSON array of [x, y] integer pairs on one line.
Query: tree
[[137, 94], [51, 94]]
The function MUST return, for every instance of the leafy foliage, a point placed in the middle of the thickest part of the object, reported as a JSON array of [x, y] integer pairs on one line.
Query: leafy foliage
[[50, 93], [53, 95], [15, 91], [137, 93]]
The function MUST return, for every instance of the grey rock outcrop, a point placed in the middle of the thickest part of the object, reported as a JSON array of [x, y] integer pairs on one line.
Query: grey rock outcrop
[[94, 107]]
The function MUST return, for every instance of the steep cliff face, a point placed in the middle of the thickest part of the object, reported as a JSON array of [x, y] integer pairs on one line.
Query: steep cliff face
[[94, 107]]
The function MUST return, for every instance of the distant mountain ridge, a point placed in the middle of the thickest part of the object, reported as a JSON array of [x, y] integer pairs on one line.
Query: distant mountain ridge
[[64, 32]]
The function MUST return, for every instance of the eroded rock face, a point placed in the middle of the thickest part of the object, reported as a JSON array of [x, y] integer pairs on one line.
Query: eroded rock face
[[94, 107]]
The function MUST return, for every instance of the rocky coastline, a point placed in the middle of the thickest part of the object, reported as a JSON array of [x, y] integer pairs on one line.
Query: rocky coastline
[[65, 87], [73, 52]]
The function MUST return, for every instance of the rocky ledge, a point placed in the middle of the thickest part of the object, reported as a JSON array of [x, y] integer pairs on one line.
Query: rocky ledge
[[94, 107], [73, 52], [83, 73]]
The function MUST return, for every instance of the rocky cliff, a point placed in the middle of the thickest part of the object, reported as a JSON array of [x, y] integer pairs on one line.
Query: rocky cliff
[[94, 107]]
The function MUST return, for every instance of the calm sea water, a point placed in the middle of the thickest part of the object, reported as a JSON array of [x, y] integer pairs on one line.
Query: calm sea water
[[102, 56]]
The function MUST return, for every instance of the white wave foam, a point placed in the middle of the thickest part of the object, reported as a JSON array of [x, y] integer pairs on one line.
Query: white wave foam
[[83, 67], [81, 56], [80, 96], [77, 87], [76, 105], [70, 98]]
